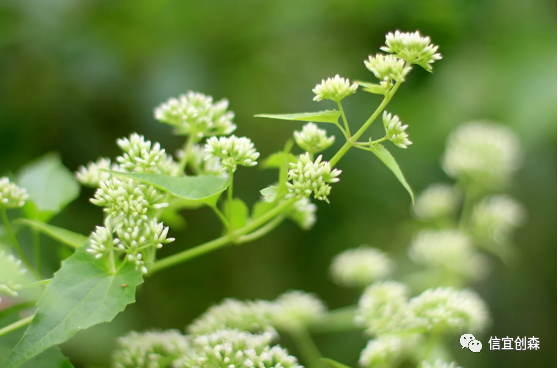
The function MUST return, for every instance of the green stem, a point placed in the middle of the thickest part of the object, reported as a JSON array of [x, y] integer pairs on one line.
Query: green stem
[[37, 249], [263, 230], [230, 199], [338, 320], [306, 347], [221, 241], [13, 238], [221, 216], [343, 150], [344, 118], [187, 149], [14, 326], [430, 345], [110, 262]]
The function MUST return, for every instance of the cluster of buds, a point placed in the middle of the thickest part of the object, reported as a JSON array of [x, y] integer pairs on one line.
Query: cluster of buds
[[303, 212], [11, 195], [233, 151], [12, 274], [197, 115], [309, 176], [387, 68], [139, 155], [201, 163], [395, 132], [413, 48], [95, 172], [336, 89], [313, 139], [361, 267]]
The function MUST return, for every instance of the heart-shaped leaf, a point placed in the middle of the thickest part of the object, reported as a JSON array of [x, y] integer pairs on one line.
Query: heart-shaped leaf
[[326, 116], [385, 156]]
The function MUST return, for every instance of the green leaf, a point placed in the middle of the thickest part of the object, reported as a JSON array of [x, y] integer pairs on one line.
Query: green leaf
[[81, 294], [326, 116], [330, 363], [372, 88], [201, 188], [240, 212], [269, 193], [381, 152], [51, 186], [277, 160], [69, 238], [261, 207]]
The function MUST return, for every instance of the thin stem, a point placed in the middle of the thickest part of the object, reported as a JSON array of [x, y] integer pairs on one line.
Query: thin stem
[[344, 118], [306, 347], [263, 230], [110, 261], [221, 241], [221, 216], [14, 326], [337, 320], [13, 238], [430, 345], [230, 199], [37, 249], [343, 150], [187, 149], [468, 202]]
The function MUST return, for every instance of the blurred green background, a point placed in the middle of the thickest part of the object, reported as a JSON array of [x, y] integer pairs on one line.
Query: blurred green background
[[76, 75]]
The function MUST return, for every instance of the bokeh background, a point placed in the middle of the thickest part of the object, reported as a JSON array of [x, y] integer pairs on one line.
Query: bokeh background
[[76, 75]]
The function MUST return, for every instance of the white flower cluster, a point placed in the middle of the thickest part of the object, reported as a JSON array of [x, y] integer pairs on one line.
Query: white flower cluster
[[202, 163], [12, 274], [303, 212], [495, 218], [130, 228], [395, 132], [251, 316], [308, 176], [196, 114], [449, 251], [387, 68], [482, 153], [336, 89], [437, 201], [151, 349], [95, 172], [11, 195], [450, 310], [387, 351], [233, 151], [413, 48], [361, 267], [313, 139], [296, 309]]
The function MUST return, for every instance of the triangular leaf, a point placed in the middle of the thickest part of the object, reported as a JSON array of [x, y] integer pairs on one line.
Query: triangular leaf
[[69, 238], [81, 294], [326, 116], [269, 193], [202, 188], [381, 152]]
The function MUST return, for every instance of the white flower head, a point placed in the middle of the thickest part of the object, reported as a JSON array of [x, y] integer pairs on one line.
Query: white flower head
[[94, 173], [252, 316], [413, 48], [152, 349], [449, 251], [336, 89], [450, 310], [12, 275], [387, 351], [308, 176], [382, 308], [482, 153], [141, 156], [387, 68], [495, 218], [361, 267], [296, 309], [196, 114], [303, 212], [11, 195], [395, 132], [233, 151], [313, 139], [437, 201]]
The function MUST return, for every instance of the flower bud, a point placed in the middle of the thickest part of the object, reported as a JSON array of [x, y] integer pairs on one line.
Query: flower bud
[[336, 89]]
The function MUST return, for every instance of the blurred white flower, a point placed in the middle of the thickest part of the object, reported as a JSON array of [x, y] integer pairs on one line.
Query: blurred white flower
[[395, 132], [437, 201], [439, 363], [11, 195], [296, 309], [93, 174], [308, 176], [495, 218], [233, 151], [313, 139], [360, 267], [387, 351], [204, 164], [336, 89], [413, 48], [303, 212], [12, 275]]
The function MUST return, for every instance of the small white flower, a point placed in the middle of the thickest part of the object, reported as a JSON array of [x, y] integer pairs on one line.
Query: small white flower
[[482, 153], [387, 351], [387, 68], [93, 174], [395, 132], [12, 275], [360, 267], [197, 114], [313, 139], [308, 176], [11, 195], [437, 201], [336, 89], [495, 218], [449, 251], [296, 309], [233, 151], [413, 48], [141, 156], [451, 310], [303, 212]]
